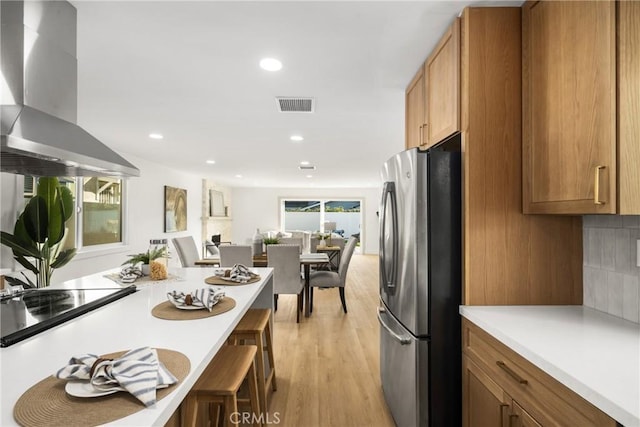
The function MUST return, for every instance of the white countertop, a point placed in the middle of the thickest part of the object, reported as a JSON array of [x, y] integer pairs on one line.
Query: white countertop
[[125, 324], [593, 353]]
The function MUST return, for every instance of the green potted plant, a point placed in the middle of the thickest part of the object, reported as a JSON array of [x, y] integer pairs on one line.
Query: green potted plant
[[145, 258], [271, 240], [38, 234]]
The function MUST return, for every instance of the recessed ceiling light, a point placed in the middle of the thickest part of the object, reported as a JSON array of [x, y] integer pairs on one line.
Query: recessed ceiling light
[[309, 176], [304, 163], [270, 64], [238, 176], [156, 136], [211, 162], [296, 138]]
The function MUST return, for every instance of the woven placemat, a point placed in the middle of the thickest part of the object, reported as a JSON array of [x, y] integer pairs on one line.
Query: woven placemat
[[168, 311], [47, 404], [216, 280]]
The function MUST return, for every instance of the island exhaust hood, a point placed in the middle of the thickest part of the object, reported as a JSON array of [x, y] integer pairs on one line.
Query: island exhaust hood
[[38, 96]]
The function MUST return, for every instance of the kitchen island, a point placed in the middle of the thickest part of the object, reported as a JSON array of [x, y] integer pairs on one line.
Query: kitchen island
[[594, 354], [126, 324]]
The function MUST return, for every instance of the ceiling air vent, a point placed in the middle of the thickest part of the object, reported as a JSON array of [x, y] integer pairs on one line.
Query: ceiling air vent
[[307, 168], [295, 104]]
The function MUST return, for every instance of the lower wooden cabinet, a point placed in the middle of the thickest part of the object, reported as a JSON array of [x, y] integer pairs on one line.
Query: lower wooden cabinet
[[502, 389]]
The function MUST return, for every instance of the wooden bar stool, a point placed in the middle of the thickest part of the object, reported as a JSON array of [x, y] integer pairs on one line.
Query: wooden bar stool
[[219, 383], [252, 326]]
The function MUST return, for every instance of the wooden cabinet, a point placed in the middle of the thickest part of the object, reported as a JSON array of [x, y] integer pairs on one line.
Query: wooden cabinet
[[502, 388], [509, 257], [432, 99], [442, 77], [415, 111], [571, 158]]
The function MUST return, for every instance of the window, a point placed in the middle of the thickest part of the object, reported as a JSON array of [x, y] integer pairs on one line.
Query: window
[[100, 205], [313, 215]]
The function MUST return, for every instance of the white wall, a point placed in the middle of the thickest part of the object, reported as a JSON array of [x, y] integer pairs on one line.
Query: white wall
[[145, 218], [260, 208]]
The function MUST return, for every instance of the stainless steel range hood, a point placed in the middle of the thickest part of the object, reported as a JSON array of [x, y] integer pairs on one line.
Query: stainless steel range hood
[[38, 108]]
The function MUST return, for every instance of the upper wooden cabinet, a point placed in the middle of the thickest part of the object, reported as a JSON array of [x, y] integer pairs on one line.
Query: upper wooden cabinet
[[414, 111], [442, 77], [432, 99], [573, 143]]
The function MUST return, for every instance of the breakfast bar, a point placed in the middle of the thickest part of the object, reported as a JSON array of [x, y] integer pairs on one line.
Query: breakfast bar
[[127, 324]]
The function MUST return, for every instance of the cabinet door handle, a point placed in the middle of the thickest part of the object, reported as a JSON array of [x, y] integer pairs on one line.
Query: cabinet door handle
[[596, 186], [509, 371], [422, 139]]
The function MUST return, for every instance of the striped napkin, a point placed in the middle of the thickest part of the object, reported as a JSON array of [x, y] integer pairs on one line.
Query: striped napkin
[[240, 273], [204, 297], [138, 371]]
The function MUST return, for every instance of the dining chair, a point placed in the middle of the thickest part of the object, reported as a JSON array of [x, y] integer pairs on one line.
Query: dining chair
[[333, 279], [285, 261], [291, 241], [231, 255], [187, 250]]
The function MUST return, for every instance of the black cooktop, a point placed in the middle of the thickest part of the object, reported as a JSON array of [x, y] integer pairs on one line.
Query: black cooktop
[[32, 311]]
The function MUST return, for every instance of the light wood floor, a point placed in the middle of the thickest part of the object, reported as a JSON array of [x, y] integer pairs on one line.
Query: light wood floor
[[327, 366]]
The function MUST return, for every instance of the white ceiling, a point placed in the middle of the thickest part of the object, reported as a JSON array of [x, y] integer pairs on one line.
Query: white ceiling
[[189, 70]]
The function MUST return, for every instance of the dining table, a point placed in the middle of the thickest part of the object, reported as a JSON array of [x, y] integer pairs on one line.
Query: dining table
[[307, 260]]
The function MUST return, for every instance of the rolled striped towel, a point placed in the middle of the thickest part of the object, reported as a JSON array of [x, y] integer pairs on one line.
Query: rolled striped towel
[[240, 273], [138, 371], [204, 297]]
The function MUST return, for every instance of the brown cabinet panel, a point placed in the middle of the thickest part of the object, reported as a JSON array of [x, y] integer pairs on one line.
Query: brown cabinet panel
[[510, 258], [415, 111], [484, 402], [442, 72], [569, 78], [629, 107]]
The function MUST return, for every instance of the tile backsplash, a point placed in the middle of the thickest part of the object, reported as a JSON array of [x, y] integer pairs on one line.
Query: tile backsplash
[[611, 279]]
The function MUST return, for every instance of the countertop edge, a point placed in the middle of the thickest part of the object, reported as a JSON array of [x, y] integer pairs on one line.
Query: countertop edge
[[611, 408]]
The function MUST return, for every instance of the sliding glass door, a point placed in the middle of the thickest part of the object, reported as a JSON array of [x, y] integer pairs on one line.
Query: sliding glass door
[[343, 217]]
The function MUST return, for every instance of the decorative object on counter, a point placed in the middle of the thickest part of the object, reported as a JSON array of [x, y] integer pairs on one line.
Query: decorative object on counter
[[146, 257], [158, 267], [138, 372], [257, 246], [141, 280], [167, 311], [175, 209], [239, 273], [39, 233], [130, 274], [222, 277], [198, 299], [62, 409]]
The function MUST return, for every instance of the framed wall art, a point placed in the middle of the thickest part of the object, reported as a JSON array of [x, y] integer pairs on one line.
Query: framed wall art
[[175, 209], [216, 203]]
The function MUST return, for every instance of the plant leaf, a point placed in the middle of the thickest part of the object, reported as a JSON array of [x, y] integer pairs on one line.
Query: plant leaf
[[48, 190], [67, 202], [31, 284], [14, 281], [35, 219], [18, 246], [63, 258], [26, 264], [56, 222]]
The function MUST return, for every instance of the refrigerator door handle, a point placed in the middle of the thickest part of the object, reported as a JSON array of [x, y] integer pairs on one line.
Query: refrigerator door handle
[[389, 195], [400, 338]]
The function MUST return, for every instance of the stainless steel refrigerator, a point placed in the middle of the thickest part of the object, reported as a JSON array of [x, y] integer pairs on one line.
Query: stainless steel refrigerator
[[420, 285]]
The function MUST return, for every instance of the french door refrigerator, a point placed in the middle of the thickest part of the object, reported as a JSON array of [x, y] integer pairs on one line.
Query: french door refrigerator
[[420, 285]]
